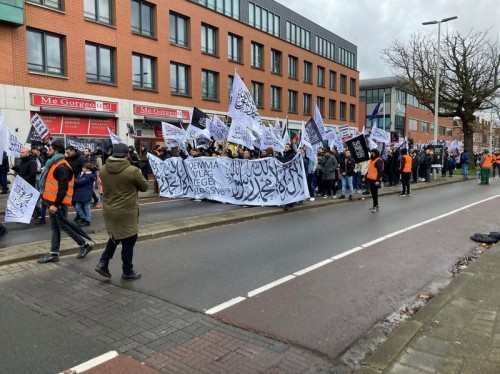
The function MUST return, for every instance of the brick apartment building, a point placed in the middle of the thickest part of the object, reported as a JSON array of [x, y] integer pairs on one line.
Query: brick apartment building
[[89, 65]]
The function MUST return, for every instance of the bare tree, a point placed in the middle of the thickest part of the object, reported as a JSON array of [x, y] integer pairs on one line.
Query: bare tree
[[469, 79]]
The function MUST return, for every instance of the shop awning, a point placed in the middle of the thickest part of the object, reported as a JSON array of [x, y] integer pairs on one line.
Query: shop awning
[[76, 113]]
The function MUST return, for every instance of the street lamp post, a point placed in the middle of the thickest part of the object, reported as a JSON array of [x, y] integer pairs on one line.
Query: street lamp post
[[436, 93]]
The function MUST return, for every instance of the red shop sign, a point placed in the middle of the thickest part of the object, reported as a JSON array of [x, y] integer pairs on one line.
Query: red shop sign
[[73, 103], [78, 125], [144, 110]]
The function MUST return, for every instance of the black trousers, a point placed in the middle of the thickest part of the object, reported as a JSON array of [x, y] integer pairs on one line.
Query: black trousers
[[374, 191], [405, 181], [127, 252]]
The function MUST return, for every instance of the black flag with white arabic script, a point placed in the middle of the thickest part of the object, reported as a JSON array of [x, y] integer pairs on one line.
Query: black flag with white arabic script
[[359, 149]]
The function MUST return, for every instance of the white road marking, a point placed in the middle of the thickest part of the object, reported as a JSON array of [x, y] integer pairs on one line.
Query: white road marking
[[92, 363], [269, 286], [225, 305]]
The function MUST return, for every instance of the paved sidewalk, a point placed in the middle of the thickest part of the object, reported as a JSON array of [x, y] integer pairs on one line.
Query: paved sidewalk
[[31, 251], [457, 331]]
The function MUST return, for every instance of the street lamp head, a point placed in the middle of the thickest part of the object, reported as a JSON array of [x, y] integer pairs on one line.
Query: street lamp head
[[429, 23], [448, 19]]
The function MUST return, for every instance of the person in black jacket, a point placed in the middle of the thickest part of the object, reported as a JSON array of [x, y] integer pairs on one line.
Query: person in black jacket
[[4, 170], [27, 167], [347, 172], [76, 159]]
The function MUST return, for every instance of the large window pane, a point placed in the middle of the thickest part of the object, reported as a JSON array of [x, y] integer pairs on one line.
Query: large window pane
[[35, 51], [45, 52]]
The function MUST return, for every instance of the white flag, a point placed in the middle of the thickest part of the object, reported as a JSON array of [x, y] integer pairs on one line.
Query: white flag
[[319, 120], [14, 145], [115, 139], [21, 202], [239, 134], [380, 135], [2, 137], [242, 108], [270, 140], [218, 129], [41, 128], [337, 142], [172, 132]]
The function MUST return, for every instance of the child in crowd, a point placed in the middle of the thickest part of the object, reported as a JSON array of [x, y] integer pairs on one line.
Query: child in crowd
[[82, 194]]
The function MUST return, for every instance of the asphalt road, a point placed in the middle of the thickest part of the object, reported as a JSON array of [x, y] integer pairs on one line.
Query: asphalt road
[[326, 309]]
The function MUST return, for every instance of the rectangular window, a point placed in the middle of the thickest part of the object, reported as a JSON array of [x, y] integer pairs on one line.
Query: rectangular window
[[143, 18], [413, 125], [343, 111], [54, 4], [234, 43], [210, 85], [353, 87], [307, 104], [143, 72], [179, 79], [307, 72], [343, 83], [425, 127], [332, 108], [275, 61], [100, 63], [230, 80], [99, 11], [292, 101], [209, 40], [45, 52], [297, 35], [442, 130], [230, 8], [179, 26], [257, 55], [263, 19], [333, 80], [275, 98], [292, 67], [321, 76], [258, 93], [352, 112], [321, 105]]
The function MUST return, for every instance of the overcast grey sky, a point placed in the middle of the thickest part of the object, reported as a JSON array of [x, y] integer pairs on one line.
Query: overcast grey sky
[[372, 24]]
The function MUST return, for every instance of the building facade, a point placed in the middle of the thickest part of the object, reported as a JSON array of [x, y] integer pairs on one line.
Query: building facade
[[402, 114], [86, 66]]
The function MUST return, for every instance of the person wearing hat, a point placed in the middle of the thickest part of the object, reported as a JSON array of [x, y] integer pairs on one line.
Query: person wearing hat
[[486, 163], [57, 180], [374, 176], [120, 182]]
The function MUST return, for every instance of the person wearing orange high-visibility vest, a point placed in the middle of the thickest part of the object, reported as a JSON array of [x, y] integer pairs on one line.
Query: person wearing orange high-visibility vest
[[57, 180], [486, 167], [496, 162], [405, 165], [374, 176]]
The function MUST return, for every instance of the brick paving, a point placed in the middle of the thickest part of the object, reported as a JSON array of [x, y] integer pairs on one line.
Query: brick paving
[[164, 336]]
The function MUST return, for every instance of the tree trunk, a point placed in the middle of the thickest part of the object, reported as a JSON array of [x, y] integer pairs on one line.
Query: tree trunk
[[468, 130]]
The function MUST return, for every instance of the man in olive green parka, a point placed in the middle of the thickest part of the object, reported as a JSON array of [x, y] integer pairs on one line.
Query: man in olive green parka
[[121, 182]]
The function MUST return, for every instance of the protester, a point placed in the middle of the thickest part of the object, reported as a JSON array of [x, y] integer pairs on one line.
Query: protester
[[347, 172], [486, 162], [329, 167], [84, 186], [27, 167], [414, 166], [76, 159], [464, 162], [4, 170], [121, 181], [496, 162], [428, 164], [58, 181], [143, 161], [374, 176], [405, 169]]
